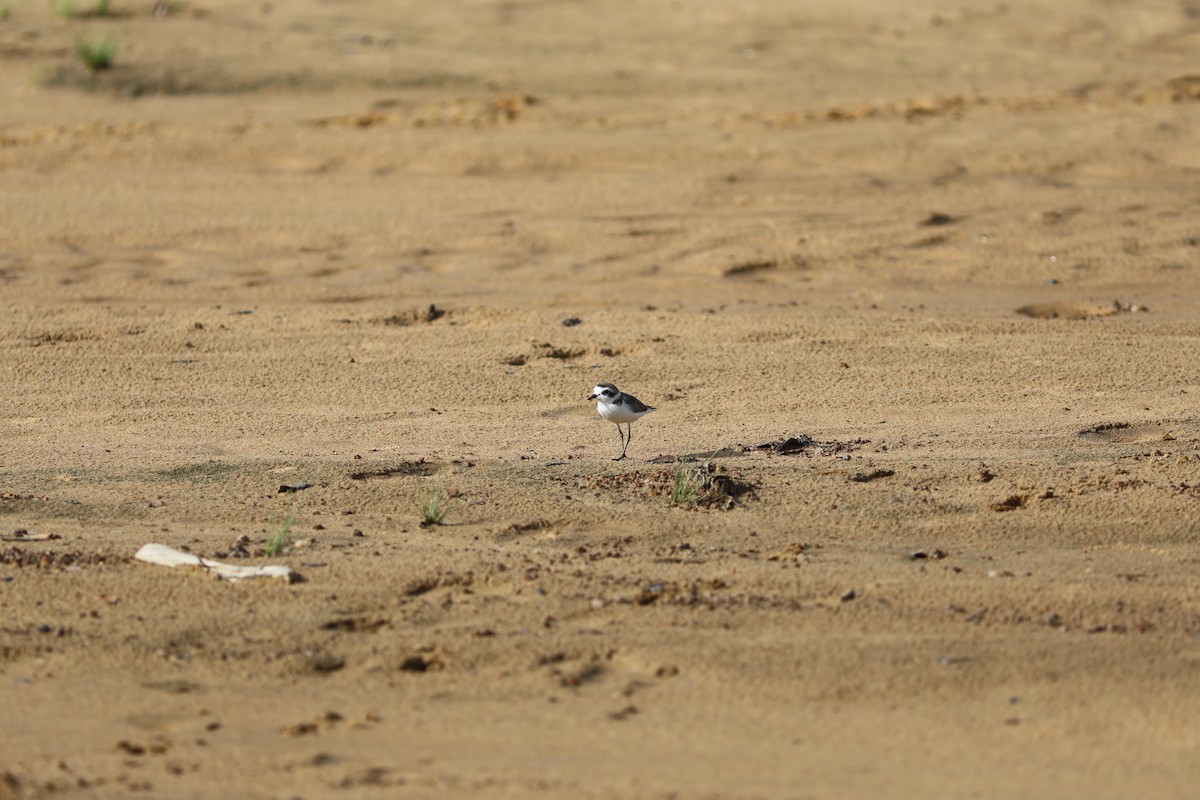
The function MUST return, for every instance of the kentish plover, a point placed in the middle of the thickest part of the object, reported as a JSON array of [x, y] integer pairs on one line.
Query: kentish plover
[[617, 407]]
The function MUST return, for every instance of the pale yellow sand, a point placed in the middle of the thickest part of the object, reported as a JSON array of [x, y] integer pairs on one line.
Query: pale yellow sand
[[772, 219]]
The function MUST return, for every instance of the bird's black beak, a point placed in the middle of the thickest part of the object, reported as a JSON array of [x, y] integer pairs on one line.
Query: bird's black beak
[[592, 397]]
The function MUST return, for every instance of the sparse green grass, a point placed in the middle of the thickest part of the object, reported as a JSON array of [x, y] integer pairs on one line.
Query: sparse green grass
[[689, 483], [97, 54], [280, 541], [434, 504], [69, 9]]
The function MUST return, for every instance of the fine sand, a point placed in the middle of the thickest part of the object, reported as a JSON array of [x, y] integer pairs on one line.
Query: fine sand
[[384, 250]]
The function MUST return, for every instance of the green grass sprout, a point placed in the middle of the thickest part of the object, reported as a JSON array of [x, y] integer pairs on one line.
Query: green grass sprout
[[97, 54], [688, 484], [281, 540], [434, 505], [69, 9]]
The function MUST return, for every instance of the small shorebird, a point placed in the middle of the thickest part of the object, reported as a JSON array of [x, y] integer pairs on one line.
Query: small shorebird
[[617, 407]]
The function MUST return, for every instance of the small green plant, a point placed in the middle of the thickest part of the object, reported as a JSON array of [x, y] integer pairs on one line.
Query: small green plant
[[434, 504], [689, 482], [280, 541], [97, 54], [68, 9]]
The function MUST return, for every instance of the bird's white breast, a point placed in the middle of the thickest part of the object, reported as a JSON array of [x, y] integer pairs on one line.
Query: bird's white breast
[[618, 414]]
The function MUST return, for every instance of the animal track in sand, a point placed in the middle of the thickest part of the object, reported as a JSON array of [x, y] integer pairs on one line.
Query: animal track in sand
[[421, 468], [1064, 310], [1131, 433], [561, 353]]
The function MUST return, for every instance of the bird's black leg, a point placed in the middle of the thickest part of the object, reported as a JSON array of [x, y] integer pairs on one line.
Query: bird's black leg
[[621, 435], [625, 440]]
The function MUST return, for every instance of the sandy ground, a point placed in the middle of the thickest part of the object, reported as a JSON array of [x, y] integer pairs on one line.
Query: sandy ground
[[951, 250]]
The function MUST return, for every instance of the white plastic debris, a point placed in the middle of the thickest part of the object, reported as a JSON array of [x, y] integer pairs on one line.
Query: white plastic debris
[[170, 557]]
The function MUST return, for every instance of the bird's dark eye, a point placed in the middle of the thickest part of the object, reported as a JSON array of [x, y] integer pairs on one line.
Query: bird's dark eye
[[608, 393]]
